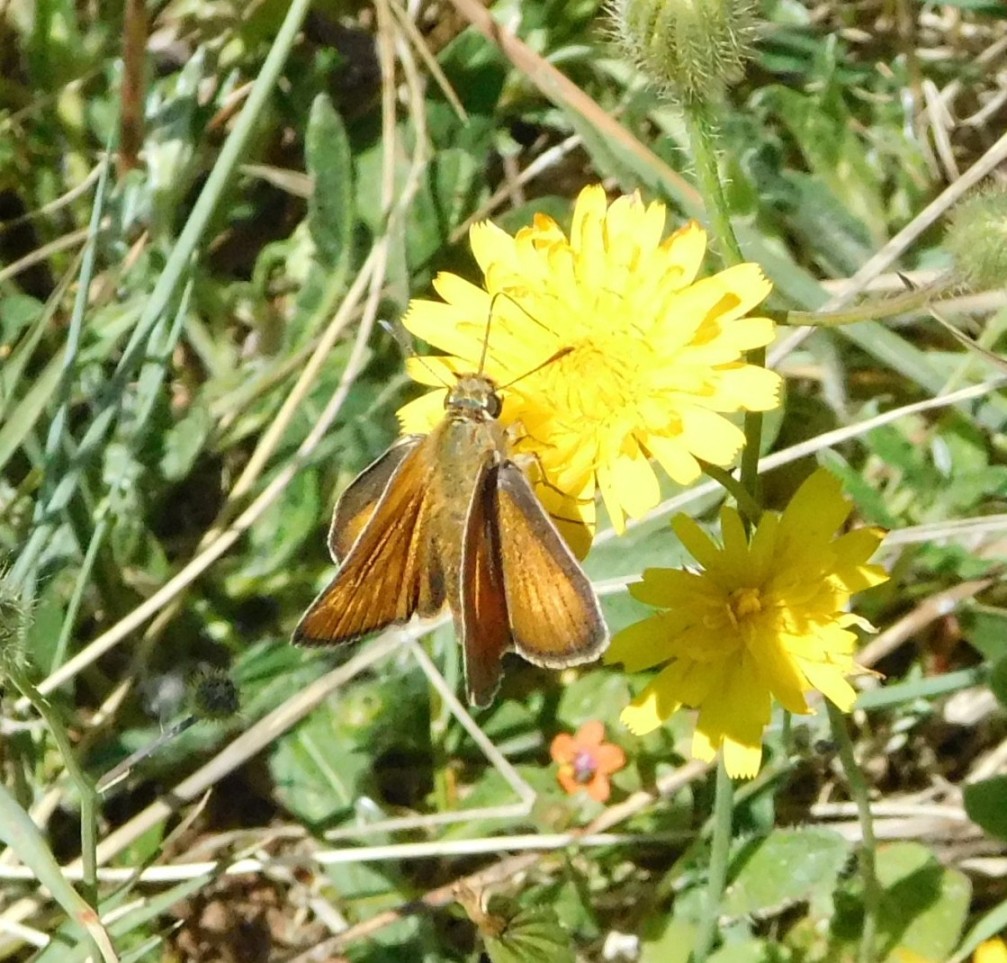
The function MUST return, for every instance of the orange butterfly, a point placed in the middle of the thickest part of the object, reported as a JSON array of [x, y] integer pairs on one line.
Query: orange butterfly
[[449, 518]]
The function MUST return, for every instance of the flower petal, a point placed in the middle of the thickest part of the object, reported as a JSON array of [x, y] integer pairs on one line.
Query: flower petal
[[740, 713], [419, 416], [652, 707], [563, 748], [675, 458], [609, 758], [590, 735], [641, 645], [711, 437], [598, 788]]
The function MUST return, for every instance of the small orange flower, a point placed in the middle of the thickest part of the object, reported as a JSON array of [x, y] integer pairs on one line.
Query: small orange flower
[[586, 761]]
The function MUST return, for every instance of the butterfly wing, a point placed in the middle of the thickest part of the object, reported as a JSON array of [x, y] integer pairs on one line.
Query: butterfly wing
[[386, 575], [554, 615], [356, 505], [484, 629]]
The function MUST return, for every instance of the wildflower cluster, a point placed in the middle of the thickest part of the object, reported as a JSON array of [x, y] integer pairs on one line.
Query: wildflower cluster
[[614, 354]]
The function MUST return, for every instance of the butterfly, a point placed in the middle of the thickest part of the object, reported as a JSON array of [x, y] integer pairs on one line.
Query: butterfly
[[448, 518]]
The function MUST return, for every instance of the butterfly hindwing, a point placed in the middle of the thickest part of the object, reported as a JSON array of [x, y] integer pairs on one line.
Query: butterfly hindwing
[[484, 628], [554, 616]]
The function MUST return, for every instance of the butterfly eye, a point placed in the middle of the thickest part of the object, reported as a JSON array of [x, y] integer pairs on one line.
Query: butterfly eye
[[494, 406]]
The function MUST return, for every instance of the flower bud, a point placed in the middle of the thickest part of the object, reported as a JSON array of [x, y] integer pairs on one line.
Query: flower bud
[[977, 238], [15, 618], [692, 48], [213, 695]]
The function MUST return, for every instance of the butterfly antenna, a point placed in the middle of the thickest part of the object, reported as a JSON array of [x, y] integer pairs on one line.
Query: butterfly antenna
[[486, 341], [486, 338], [398, 333], [562, 353]]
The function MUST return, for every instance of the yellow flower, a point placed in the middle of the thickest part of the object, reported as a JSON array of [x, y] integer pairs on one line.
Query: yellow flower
[[647, 359], [764, 618], [992, 951]]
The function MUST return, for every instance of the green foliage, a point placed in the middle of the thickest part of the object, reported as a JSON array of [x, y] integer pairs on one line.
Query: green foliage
[[164, 500], [785, 867], [986, 804], [529, 935], [923, 905]]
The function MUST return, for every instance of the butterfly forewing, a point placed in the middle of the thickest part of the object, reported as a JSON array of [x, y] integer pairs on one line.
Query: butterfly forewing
[[554, 616], [357, 504], [484, 624], [385, 576]]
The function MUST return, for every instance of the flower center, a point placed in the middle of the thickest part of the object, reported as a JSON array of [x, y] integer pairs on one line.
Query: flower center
[[743, 603], [601, 378], [584, 766]]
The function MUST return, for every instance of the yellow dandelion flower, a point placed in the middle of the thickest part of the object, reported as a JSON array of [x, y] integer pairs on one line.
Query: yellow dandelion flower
[[992, 951], [765, 618], [647, 359]]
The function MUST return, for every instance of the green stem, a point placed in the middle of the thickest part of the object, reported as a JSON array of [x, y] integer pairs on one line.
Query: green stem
[[750, 508], [859, 793], [702, 127], [871, 309], [720, 850], [753, 438], [85, 788], [702, 136]]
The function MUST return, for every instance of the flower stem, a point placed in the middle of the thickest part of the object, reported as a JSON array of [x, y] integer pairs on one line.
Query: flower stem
[[702, 127], [83, 784], [753, 439], [720, 850], [749, 507], [702, 136], [865, 856], [873, 309]]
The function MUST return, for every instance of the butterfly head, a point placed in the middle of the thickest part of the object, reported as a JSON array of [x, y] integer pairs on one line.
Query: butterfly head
[[474, 395]]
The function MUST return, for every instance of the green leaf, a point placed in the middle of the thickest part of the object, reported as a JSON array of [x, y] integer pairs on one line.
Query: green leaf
[[143, 911], [985, 626], [184, 440], [998, 681], [986, 805], [330, 207], [532, 935], [18, 311], [449, 191], [671, 944], [373, 741], [283, 528], [835, 153], [825, 227], [29, 845], [785, 867], [923, 906], [318, 768], [30, 408]]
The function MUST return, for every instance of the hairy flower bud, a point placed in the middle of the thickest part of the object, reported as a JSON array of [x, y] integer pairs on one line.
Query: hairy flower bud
[[15, 618], [213, 695], [692, 48], [977, 238]]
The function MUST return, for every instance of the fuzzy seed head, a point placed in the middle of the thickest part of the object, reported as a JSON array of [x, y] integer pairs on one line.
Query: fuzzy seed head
[[694, 49], [213, 695], [977, 238]]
